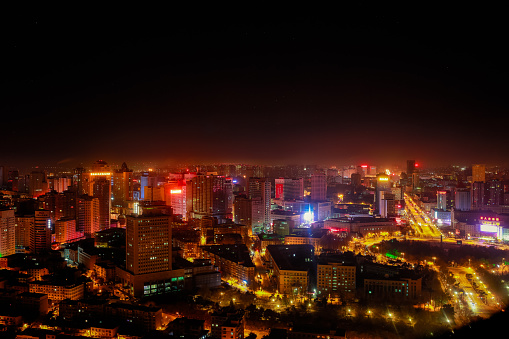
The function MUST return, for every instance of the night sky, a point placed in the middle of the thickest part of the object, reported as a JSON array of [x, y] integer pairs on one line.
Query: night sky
[[324, 86]]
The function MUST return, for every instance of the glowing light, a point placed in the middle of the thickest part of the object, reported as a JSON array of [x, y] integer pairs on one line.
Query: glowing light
[[364, 166], [100, 173], [383, 179], [309, 217], [176, 191]]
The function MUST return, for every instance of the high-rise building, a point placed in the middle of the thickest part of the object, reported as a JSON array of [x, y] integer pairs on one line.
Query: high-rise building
[[442, 200], [38, 184], [24, 231], [250, 212], [149, 244], [7, 233], [289, 188], [477, 195], [102, 191], [410, 167], [211, 196], [88, 215], [462, 200], [65, 230], [318, 186], [122, 186], [494, 193], [42, 232], [479, 173], [261, 188], [383, 184]]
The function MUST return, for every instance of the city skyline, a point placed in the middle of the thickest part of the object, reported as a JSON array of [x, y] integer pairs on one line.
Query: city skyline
[[311, 89]]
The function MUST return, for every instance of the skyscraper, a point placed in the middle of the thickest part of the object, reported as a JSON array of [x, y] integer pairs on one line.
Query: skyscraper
[[102, 191], [7, 233]]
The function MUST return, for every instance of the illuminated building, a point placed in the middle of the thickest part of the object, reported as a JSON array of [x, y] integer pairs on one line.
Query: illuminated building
[[335, 277], [318, 186], [153, 193], [102, 191], [149, 245], [479, 173], [494, 193], [232, 260], [65, 230], [149, 256], [289, 188], [227, 324], [477, 195], [42, 232], [58, 291], [250, 212], [293, 267], [442, 200], [122, 186], [38, 184], [393, 288], [383, 184], [260, 188], [462, 199], [178, 200], [314, 240], [361, 225], [24, 232], [387, 204], [210, 195], [7, 233], [88, 215]]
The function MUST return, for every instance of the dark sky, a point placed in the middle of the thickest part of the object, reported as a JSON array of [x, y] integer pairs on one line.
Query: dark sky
[[315, 85]]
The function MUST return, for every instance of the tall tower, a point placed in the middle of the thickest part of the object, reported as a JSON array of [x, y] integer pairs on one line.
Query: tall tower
[[7, 233], [149, 246]]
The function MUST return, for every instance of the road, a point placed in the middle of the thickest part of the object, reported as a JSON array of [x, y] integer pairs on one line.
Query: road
[[419, 221], [479, 305]]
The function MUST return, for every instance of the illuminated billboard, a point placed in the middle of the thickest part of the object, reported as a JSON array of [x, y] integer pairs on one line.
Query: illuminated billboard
[[489, 228]]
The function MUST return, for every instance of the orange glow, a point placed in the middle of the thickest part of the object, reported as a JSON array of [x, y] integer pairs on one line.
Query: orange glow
[[176, 191]]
